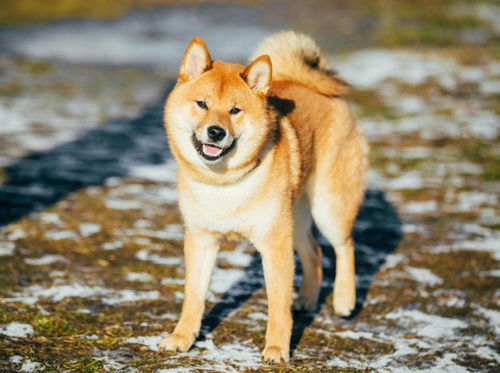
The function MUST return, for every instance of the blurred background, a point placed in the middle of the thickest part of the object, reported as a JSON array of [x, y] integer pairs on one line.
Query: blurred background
[[91, 239]]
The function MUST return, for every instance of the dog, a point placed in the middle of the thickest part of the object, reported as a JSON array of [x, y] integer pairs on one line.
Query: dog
[[263, 150]]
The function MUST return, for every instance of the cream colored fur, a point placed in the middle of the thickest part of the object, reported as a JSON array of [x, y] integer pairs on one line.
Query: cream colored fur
[[294, 154]]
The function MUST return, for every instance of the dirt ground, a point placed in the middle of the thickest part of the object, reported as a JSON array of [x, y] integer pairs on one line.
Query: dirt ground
[[91, 269]]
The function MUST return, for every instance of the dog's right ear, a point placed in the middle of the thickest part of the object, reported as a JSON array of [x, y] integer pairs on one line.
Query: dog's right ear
[[196, 60]]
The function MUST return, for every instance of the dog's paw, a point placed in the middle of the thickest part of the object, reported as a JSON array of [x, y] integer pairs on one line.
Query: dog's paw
[[344, 302], [304, 304], [176, 342], [275, 354]]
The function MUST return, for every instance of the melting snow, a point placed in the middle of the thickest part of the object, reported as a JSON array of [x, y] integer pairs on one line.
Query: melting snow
[[89, 229], [368, 68], [146, 256], [425, 325], [32, 294], [237, 257], [61, 235], [17, 329], [490, 244], [46, 259], [355, 335], [487, 353], [109, 246], [420, 207], [16, 359], [51, 218], [424, 275], [409, 180], [224, 278], [139, 276], [7, 248], [151, 342], [120, 204], [493, 317], [30, 366]]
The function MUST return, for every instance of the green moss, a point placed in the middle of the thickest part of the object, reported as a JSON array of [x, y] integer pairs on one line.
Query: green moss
[[86, 365]]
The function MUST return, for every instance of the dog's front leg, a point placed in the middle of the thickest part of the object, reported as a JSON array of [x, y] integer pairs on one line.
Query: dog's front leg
[[277, 258], [200, 251]]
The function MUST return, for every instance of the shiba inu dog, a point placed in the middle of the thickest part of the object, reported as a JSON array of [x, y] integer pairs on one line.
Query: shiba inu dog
[[262, 150]]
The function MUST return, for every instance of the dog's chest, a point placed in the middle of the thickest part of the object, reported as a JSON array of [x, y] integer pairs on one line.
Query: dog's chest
[[238, 207]]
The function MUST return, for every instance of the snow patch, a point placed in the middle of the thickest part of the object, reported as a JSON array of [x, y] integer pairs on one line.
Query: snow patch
[[425, 325], [139, 276], [392, 260], [7, 248], [424, 275], [493, 317], [152, 342], [110, 246], [17, 329], [30, 366], [46, 259], [409, 180], [355, 335], [89, 229], [468, 201], [121, 204], [61, 235], [487, 353], [489, 244], [174, 281], [51, 218], [224, 278], [32, 294], [237, 257], [423, 207], [16, 359], [146, 256], [368, 68]]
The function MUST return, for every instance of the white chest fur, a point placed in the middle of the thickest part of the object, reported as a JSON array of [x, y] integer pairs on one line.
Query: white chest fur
[[242, 207]]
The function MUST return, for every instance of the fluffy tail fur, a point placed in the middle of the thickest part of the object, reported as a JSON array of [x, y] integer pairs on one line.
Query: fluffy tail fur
[[296, 57]]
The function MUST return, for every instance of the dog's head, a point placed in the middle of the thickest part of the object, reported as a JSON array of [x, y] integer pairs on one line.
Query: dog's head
[[216, 116]]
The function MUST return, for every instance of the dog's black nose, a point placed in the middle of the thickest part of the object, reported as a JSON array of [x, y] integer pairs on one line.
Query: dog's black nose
[[216, 133]]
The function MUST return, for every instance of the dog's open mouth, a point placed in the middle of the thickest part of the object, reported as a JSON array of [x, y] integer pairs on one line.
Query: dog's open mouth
[[211, 152]]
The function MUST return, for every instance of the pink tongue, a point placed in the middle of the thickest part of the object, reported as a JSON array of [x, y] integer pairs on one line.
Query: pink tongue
[[211, 150]]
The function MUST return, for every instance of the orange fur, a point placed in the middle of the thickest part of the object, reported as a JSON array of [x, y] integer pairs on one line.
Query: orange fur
[[294, 153]]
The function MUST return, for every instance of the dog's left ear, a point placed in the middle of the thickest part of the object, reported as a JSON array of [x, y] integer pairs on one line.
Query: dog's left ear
[[258, 75], [196, 60]]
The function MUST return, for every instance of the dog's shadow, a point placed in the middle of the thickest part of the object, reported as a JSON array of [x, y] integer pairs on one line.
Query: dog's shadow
[[377, 233]]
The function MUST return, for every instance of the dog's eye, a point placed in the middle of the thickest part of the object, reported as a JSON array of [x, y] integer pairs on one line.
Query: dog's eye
[[202, 105], [234, 111]]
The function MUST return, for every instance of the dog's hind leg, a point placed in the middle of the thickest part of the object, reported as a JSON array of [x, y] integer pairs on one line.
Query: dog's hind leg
[[329, 214], [335, 191], [200, 251], [310, 257]]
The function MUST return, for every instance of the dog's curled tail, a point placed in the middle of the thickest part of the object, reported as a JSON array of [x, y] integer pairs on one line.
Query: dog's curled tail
[[296, 57]]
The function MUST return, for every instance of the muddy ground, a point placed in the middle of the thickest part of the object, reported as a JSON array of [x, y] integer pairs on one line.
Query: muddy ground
[[91, 271]]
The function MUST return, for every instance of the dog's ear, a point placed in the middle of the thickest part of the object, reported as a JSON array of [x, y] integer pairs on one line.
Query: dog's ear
[[196, 60], [258, 75]]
